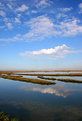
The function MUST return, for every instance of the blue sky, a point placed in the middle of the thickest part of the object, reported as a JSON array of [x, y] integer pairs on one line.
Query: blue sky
[[40, 34]]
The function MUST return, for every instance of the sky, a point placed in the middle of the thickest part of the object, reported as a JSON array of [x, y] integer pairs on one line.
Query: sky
[[40, 34]]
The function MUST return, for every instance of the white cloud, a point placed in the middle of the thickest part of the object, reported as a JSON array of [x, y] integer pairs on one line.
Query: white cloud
[[43, 3], [22, 8], [56, 52], [70, 27], [17, 20], [9, 25], [65, 9], [43, 27], [40, 28], [80, 7], [2, 13]]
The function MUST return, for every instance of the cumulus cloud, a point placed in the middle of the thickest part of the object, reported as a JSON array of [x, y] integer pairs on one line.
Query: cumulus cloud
[[56, 52], [22, 8], [80, 7]]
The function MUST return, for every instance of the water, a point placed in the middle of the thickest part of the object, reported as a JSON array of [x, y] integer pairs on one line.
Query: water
[[34, 102], [46, 72]]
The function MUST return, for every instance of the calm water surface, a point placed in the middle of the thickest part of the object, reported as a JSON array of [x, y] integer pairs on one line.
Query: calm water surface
[[46, 72], [34, 102]]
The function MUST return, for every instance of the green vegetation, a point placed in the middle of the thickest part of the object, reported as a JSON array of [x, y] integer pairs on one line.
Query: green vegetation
[[41, 77], [19, 78], [4, 117]]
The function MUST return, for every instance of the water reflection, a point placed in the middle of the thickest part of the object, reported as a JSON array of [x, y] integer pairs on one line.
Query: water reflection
[[40, 111], [57, 90], [33, 102]]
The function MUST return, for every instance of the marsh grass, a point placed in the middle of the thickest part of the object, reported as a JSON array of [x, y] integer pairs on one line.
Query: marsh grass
[[64, 80], [6, 72], [19, 78], [67, 74], [70, 80], [41, 77]]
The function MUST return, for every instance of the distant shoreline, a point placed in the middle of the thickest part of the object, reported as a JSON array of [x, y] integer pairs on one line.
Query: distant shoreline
[[40, 71]]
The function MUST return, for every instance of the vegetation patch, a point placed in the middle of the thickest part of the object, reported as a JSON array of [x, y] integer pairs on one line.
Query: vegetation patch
[[41, 77], [64, 80], [19, 78], [4, 117], [70, 80], [67, 74]]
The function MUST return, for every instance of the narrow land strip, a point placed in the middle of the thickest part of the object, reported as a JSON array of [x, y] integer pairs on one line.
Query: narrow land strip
[[67, 74], [63, 80], [19, 78]]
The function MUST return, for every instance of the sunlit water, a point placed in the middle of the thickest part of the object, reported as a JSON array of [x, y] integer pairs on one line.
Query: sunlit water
[[34, 102]]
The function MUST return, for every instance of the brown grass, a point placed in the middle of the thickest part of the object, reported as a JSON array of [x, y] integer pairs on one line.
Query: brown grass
[[67, 74], [70, 80], [19, 78], [41, 77], [64, 80]]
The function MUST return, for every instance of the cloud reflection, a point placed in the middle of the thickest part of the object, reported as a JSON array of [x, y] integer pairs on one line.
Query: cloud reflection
[[48, 90], [57, 90]]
